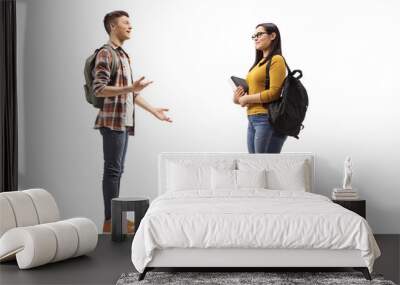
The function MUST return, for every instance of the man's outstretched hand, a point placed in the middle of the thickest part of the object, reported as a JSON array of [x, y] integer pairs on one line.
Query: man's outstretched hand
[[159, 113]]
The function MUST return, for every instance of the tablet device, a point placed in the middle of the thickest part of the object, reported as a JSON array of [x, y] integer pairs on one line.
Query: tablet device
[[240, 82]]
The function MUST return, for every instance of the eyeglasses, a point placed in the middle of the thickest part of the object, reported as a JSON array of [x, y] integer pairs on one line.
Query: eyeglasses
[[258, 35]]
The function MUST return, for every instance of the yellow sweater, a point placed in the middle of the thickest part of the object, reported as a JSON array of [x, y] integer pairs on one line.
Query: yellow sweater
[[256, 81]]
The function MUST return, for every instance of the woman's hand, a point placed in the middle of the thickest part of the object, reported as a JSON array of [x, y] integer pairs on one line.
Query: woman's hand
[[139, 84], [243, 100], [239, 92]]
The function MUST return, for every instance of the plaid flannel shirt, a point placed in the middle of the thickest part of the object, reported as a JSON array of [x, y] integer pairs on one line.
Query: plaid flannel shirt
[[113, 113]]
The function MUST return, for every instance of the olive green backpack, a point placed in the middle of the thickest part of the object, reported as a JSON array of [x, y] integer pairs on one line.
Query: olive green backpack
[[88, 72]]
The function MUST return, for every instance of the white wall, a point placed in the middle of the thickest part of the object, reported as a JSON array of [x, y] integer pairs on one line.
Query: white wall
[[348, 52]]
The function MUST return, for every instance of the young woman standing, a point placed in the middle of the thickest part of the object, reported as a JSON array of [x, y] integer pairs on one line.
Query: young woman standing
[[261, 137]]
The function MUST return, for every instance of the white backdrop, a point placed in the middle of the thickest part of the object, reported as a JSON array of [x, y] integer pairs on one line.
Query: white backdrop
[[348, 52]]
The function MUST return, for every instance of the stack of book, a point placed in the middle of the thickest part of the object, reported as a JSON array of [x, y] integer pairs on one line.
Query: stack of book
[[344, 194]]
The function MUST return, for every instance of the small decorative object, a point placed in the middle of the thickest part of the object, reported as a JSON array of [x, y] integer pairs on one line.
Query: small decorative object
[[347, 192], [348, 172]]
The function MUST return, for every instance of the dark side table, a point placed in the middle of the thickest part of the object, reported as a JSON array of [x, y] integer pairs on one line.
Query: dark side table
[[357, 206], [119, 207]]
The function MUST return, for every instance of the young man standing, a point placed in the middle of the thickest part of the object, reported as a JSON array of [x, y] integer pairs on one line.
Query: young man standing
[[116, 119]]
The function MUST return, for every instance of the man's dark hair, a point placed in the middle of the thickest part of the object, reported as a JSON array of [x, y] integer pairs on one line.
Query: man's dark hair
[[111, 17]]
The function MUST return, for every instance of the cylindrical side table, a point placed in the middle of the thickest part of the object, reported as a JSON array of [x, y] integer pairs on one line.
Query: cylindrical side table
[[139, 205]]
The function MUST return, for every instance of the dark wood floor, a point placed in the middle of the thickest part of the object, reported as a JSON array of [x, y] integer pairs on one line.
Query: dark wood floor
[[110, 260]]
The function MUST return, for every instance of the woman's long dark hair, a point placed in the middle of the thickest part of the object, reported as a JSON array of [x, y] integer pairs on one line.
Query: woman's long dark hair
[[275, 47]]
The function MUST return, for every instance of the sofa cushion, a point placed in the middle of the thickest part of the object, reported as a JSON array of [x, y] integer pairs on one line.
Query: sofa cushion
[[40, 244], [23, 208], [7, 220]]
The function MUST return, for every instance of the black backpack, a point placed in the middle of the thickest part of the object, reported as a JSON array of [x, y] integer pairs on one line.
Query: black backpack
[[286, 115]]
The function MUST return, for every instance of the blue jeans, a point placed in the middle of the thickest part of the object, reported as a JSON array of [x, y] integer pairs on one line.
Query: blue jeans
[[115, 144], [261, 137]]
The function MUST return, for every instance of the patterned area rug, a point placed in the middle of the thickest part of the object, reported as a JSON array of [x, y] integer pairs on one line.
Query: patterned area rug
[[243, 278]]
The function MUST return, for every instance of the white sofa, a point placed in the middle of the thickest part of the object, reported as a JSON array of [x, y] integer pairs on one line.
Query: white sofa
[[32, 233]]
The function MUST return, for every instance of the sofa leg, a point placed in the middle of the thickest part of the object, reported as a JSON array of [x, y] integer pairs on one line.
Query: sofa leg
[[143, 274], [364, 271]]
